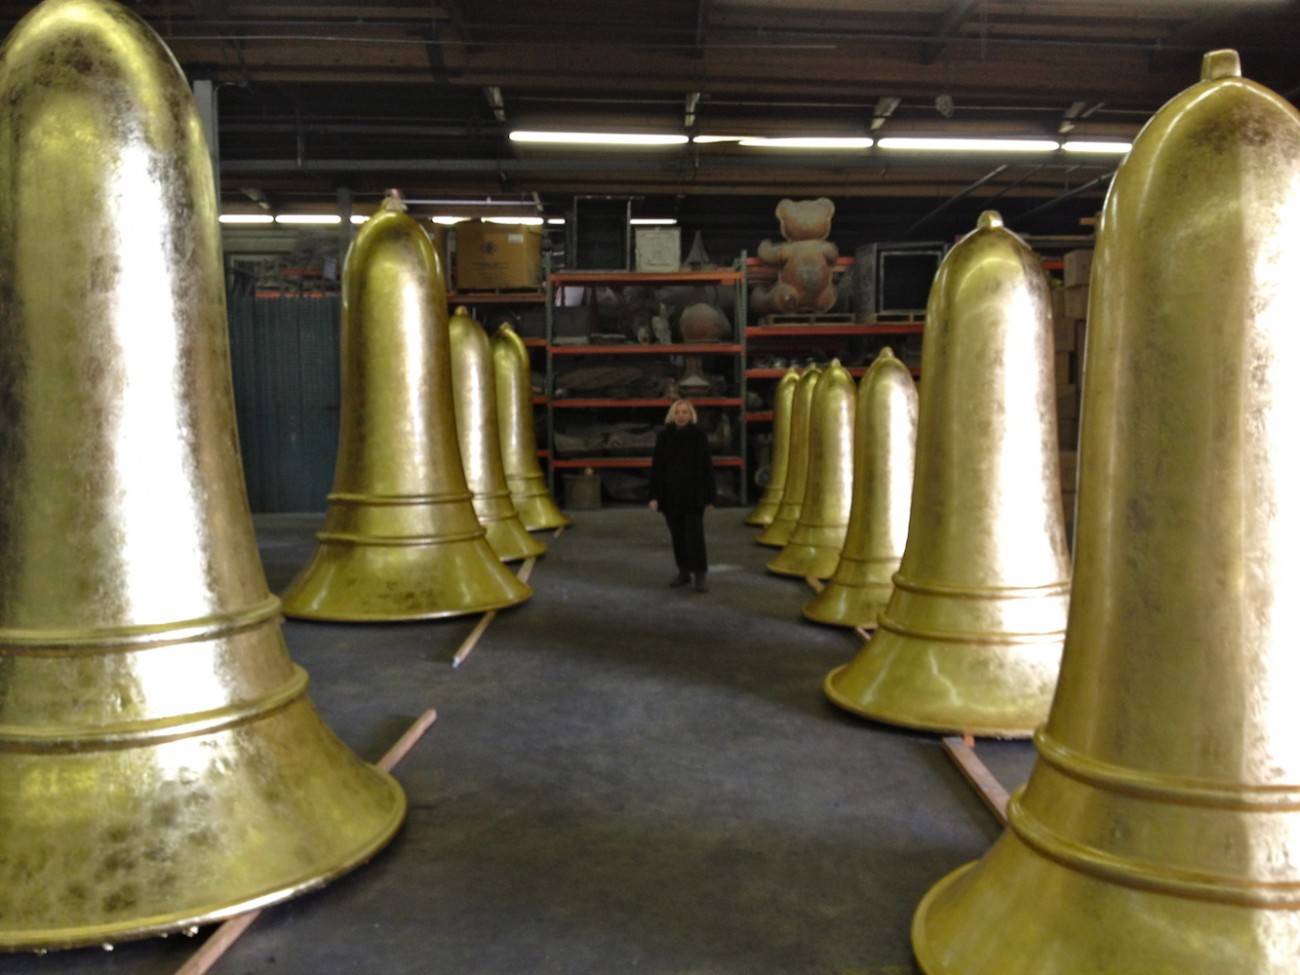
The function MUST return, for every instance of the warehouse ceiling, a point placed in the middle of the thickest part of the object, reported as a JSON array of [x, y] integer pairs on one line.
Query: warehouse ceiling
[[330, 100]]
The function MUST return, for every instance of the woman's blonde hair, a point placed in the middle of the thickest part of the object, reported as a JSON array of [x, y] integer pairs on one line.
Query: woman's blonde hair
[[668, 417]]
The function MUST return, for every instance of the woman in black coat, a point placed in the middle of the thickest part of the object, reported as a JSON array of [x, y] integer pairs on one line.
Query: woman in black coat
[[682, 488]]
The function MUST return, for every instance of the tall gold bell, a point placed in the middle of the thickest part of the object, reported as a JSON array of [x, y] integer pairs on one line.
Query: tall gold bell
[[1159, 832], [778, 533], [401, 539], [814, 545], [884, 457], [473, 384], [971, 638], [524, 477], [160, 763], [782, 399]]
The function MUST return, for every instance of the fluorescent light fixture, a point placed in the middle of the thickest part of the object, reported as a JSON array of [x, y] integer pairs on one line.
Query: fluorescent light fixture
[[528, 221], [1078, 145], [706, 139], [597, 138], [809, 142], [653, 221], [449, 221], [359, 218], [968, 145], [246, 218], [555, 221], [318, 218]]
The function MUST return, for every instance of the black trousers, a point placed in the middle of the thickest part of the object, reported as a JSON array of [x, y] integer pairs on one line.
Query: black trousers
[[687, 530]]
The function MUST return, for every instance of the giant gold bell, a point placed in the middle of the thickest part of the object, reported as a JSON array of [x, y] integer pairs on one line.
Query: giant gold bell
[[474, 387], [884, 457], [778, 533], [161, 765], [818, 535], [970, 640], [401, 539], [1159, 832], [765, 511], [524, 477]]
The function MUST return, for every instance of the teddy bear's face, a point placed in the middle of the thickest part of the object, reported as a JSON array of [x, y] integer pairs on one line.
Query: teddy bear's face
[[805, 219]]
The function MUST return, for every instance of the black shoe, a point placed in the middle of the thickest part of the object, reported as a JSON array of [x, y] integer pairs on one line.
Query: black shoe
[[680, 580], [699, 583]]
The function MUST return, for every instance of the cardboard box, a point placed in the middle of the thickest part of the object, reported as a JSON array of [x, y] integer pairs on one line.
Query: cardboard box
[[1065, 333], [497, 255], [1076, 303], [1078, 268], [659, 249]]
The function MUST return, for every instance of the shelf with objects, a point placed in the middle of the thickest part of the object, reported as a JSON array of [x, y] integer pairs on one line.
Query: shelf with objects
[[622, 346]]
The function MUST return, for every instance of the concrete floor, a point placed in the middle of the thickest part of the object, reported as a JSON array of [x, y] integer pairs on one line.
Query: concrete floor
[[623, 778]]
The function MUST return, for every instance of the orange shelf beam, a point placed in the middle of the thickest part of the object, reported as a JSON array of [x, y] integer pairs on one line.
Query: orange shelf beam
[[705, 348], [630, 462]]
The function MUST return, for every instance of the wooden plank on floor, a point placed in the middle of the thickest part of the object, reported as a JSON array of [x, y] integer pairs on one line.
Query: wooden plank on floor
[[475, 634], [962, 752]]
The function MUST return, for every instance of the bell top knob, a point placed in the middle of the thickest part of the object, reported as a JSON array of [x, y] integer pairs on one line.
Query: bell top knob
[[990, 220], [1224, 63]]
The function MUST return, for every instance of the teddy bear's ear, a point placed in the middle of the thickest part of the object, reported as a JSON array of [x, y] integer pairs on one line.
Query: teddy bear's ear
[[784, 207], [826, 205]]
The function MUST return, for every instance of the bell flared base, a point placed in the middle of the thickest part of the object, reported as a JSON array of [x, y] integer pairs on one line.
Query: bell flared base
[[764, 513], [356, 582], [534, 505], [101, 844], [804, 561], [1015, 912], [986, 689], [778, 533], [538, 513], [840, 604], [510, 540]]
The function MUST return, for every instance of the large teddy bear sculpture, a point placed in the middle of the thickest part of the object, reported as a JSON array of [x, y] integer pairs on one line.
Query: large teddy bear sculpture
[[805, 260]]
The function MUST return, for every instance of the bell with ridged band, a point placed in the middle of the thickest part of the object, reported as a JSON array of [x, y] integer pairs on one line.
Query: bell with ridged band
[[970, 640], [765, 511], [884, 457], [1159, 831], [161, 765], [814, 545], [473, 384], [401, 540], [514, 385], [778, 533]]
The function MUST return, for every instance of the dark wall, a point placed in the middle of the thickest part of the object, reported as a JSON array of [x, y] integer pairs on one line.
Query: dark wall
[[285, 362]]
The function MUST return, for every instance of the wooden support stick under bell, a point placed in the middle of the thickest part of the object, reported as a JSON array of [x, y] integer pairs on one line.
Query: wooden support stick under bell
[[229, 931], [962, 752], [467, 647]]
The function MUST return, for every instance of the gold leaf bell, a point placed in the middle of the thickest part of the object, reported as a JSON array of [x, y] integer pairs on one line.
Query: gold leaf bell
[[884, 458], [1159, 832], [401, 539], [528, 492], [818, 535], [970, 640], [782, 399], [473, 383], [161, 765], [778, 533]]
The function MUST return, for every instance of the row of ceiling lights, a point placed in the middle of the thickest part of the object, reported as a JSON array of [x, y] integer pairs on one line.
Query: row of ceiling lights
[[904, 143], [907, 143]]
